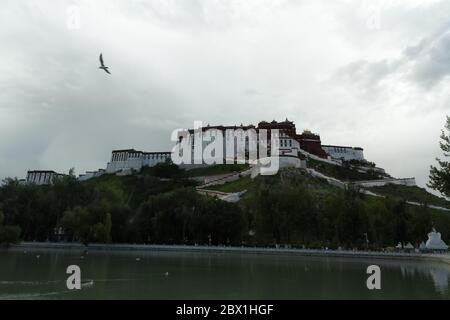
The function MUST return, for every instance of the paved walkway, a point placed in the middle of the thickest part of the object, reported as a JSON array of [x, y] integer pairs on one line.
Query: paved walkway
[[237, 250]]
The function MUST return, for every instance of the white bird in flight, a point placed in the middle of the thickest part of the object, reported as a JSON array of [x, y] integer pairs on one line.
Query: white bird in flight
[[103, 65]]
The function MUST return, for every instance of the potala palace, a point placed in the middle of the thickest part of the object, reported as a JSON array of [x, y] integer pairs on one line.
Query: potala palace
[[291, 144], [293, 148]]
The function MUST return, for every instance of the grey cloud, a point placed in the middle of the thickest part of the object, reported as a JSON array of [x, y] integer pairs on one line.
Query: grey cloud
[[368, 74], [225, 62], [424, 64], [251, 92], [432, 63]]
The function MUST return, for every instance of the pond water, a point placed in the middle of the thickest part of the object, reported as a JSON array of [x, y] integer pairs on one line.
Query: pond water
[[41, 274]]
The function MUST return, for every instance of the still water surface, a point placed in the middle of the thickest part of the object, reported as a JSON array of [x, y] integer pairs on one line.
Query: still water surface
[[143, 275]]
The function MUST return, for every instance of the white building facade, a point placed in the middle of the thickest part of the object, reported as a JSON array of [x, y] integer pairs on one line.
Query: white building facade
[[130, 160], [288, 142], [344, 153], [230, 144], [42, 177]]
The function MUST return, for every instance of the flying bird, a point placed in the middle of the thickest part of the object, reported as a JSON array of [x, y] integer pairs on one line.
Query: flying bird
[[103, 64]]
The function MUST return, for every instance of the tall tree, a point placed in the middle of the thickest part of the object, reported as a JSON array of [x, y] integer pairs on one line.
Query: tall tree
[[440, 176]]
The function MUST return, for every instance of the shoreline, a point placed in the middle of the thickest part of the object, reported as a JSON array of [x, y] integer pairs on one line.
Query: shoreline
[[445, 258]]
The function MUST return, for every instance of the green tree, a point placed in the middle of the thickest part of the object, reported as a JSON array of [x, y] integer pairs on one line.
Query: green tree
[[76, 224], [101, 231], [352, 222], [421, 223], [85, 226], [381, 226], [402, 220], [9, 235], [440, 176]]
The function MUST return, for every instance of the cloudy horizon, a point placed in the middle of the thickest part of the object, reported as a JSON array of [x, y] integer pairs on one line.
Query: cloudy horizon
[[372, 74]]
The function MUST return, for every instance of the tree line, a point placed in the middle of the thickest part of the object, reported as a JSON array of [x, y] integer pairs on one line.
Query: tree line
[[145, 209]]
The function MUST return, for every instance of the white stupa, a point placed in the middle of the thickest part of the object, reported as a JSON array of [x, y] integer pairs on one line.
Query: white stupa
[[435, 242]]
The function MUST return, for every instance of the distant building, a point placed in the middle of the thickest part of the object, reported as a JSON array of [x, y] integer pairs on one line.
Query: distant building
[[409, 182], [129, 159], [91, 174], [290, 143], [310, 142], [344, 153], [287, 143], [42, 177]]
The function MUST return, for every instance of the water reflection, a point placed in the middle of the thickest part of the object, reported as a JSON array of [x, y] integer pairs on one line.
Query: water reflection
[[147, 275], [439, 273]]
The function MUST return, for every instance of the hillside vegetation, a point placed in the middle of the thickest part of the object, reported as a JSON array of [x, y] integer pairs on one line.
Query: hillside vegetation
[[160, 205], [413, 194]]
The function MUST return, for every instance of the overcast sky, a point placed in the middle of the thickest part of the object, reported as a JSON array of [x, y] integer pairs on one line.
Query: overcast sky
[[373, 74]]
